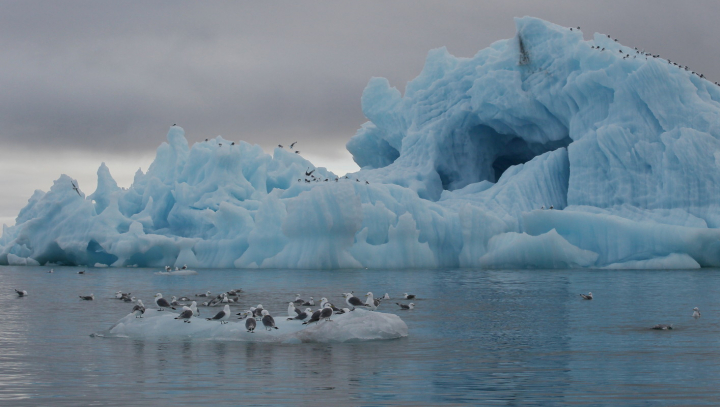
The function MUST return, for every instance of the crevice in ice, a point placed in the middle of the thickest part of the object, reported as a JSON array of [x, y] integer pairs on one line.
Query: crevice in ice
[[53, 253], [96, 254]]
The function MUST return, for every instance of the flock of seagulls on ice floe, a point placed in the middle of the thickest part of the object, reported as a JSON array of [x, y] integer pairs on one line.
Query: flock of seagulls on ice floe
[[627, 54], [251, 316], [189, 306]]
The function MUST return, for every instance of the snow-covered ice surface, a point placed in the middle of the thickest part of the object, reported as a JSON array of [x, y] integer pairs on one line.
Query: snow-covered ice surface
[[625, 146], [356, 326]]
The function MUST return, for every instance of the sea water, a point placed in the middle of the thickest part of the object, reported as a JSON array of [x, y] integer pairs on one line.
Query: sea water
[[475, 337]]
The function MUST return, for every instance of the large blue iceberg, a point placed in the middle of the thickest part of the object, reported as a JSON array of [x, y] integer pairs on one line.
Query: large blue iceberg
[[623, 144]]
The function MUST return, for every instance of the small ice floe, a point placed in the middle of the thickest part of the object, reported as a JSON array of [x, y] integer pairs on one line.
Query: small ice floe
[[358, 326], [176, 272]]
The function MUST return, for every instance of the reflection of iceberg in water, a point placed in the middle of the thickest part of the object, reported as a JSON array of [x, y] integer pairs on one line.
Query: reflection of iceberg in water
[[355, 326]]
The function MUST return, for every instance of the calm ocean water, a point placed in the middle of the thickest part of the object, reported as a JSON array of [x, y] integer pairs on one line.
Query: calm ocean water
[[476, 337]]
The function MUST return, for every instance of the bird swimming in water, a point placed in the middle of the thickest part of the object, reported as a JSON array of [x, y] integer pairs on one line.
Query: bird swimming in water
[[268, 320], [309, 303], [587, 296], [21, 293], [662, 327], [696, 313], [298, 300], [406, 307], [409, 296], [87, 297], [207, 294], [185, 315]]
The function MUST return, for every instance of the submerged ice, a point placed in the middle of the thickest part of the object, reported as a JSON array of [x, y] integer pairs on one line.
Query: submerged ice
[[624, 145]]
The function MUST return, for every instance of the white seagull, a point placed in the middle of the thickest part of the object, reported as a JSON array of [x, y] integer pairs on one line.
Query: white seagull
[[185, 315], [221, 316]]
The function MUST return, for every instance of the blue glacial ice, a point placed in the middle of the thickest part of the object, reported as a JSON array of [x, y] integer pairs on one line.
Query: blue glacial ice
[[624, 145]]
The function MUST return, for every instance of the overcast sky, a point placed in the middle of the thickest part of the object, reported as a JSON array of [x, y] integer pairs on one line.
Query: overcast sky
[[82, 82]]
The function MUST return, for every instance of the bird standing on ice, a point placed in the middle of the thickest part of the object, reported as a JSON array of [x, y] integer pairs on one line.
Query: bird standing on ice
[[292, 310], [326, 313], [194, 309], [139, 309], [315, 317], [221, 316], [185, 315], [371, 302], [162, 302], [250, 323], [268, 320], [353, 301], [696, 313]]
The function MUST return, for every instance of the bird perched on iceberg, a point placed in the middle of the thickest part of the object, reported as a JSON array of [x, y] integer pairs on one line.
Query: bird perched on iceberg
[[353, 301], [221, 316], [250, 323], [185, 315], [268, 320], [139, 309], [161, 302]]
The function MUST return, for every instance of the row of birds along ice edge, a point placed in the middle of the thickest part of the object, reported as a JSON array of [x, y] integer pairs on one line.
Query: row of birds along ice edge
[[622, 143]]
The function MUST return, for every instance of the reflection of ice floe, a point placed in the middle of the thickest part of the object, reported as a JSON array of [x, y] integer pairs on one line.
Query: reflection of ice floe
[[356, 326], [185, 272]]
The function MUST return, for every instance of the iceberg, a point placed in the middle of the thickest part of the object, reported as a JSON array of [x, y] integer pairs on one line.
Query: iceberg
[[455, 172], [357, 326]]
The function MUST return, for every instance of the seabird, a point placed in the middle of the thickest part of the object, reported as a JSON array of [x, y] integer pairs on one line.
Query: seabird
[[185, 315], [386, 296], [184, 267], [258, 311], [310, 303], [221, 316], [302, 315], [353, 301], [51, 271], [315, 317], [75, 187], [232, 144], [307, 174], [268, 320], [587, 296], [183, 299], [662, 327], [371, 302], [250, 323], [81, 272], [138, 309], [162, 302], [696, 313], [207, 294], [292, 310], [326, 313], [297, 152], [128, 299], [280, 145], [87, 297], [409, 296], [293, 144], [21, 293], [406, 307], [298, 300], [173, 301], [194, 309]]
